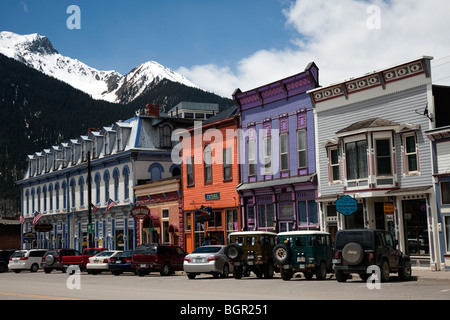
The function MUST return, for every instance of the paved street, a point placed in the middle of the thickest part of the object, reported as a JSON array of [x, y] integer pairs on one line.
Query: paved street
[[426, 285]]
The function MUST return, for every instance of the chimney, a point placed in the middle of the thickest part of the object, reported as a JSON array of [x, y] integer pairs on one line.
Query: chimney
[[90, 130], [152, 110]]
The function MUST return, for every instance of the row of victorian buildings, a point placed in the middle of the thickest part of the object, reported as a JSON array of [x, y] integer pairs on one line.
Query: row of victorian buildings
[[278, 160]]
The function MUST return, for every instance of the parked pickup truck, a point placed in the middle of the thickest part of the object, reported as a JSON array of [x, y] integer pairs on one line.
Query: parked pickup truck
[[81, 261]]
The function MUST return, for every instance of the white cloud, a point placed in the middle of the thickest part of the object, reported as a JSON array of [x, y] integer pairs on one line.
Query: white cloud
[[338, 37]]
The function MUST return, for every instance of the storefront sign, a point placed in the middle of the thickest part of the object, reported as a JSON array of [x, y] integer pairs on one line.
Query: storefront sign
[[140, 212], [212, 196], [203, 214], [346, 205], [389, 208], [29, 236], [43, 227]]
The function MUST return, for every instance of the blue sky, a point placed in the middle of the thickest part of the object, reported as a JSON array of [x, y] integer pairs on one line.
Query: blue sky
[[122, 34], [222, 45]]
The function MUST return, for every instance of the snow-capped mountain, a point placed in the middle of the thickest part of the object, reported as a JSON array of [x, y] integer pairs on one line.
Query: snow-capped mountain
[[37, 51]]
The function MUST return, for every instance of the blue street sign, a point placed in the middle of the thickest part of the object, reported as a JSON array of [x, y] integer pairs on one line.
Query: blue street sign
[[346, 205]]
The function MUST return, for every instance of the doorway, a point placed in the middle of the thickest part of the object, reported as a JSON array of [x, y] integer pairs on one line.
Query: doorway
[[416, 227]]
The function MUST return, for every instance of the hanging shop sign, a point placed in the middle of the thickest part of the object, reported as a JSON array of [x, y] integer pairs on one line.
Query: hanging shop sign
[[203, 214], [140, 212], [389, 208], [346, 205], [43, 227]]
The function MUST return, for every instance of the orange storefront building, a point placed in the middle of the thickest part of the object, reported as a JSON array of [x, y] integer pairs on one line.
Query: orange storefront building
[[210, 174]]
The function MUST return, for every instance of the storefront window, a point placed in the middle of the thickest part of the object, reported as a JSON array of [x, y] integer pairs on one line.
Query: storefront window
[[232, 220], [355, 220], [445, 192], [416, 229], [447, 233], [266, 216], [307, 211]]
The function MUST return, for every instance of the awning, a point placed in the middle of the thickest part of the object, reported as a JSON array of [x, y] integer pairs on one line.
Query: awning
[[156, 221], [173, 228], [412, 190]]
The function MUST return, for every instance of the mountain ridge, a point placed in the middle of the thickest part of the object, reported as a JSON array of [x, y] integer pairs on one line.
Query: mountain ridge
[[38, 52]]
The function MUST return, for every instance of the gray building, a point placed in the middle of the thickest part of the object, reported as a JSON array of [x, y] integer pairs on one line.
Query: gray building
[[371, 145]]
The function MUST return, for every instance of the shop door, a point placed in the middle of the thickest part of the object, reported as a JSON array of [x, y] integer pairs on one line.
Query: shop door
[[380, 222], [416, 228]]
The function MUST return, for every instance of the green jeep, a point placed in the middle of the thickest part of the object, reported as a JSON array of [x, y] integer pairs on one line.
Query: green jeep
[[310, 252], [251, 251]]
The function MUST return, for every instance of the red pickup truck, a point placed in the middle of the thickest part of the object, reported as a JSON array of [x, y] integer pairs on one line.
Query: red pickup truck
[[61, 259], [82, 260]]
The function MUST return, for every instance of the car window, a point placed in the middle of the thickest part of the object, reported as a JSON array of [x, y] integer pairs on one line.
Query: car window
[[37, 254], [300, 241], [212, 249], [105, 254], [91, 252], [162, 250], [125, 254], [364, 238], [239, 240], [146, 249], [181, 251], [18, 254], [52, 253], [389, 240]]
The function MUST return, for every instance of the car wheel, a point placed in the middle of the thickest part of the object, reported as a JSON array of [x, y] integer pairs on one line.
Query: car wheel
[[281, 253], [385, 270], [49, 260], [405, 272], [353, 253], [34, 268], [286, 275], [225, 271], [48, 270], [237, 273], [17, 271], [165, 271], [3, 268], [268, 270], [341, 276], [321, 271], [233, 251]]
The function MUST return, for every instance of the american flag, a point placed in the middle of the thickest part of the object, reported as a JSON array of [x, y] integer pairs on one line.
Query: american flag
[[37, 217], [94, 208], [22, 219], [110, 205]]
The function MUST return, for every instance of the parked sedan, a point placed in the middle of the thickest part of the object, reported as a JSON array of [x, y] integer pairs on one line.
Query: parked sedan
[[121, 263], [100, 261], [207, 259]]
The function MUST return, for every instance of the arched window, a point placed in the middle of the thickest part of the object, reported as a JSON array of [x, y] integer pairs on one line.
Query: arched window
[[156, 171], [106, 178], [97, 180], [116, 176], [126, 182]]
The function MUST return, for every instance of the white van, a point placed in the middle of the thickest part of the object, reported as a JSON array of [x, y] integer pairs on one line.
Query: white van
[[26, 260]]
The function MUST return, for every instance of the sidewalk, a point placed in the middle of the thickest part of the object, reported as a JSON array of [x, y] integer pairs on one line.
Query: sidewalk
[[427, 273]]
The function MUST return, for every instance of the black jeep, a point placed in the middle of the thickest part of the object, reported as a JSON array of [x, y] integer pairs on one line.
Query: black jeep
[[356, 250]]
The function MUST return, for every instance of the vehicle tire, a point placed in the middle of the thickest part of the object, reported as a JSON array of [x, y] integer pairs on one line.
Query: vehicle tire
[[191, 275], [341, 276], [3, 268], [49, 260], [165, 270], [281, 253], [116, 273], [353, 253], [286, 275], [321, 271], [308, 275], [385, 271], [225, 271], [48, 270], [268, 269], [140, 272], [17, 271], [237, 273], [233, 251], [34, 267], [405, 272]]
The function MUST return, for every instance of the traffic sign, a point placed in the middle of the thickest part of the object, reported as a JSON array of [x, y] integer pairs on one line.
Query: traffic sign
[[346, 205], [90, 228]]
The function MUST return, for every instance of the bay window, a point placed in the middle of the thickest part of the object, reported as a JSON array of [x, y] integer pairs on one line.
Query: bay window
[[356, 159]]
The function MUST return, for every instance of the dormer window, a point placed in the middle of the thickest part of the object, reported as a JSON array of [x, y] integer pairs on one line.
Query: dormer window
[[107, 150], [166, 136], [119, 140]]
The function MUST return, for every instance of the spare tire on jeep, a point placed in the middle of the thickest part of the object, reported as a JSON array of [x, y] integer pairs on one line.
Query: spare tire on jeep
[[281, 253], [49, 260], [353, 253], [233, 251]]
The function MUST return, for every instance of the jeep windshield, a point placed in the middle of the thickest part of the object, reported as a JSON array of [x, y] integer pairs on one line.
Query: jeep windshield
[[364, 238], [248, 241]]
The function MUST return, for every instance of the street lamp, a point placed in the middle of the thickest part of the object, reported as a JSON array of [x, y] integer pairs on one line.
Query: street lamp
[[89, 198]]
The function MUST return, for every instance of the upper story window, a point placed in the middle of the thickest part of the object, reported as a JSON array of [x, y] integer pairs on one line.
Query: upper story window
[[207, 162], [251, 152], [356, 159], [301, 144], [445, 192], [333, 163], [284, 152], [166, 136], [107, 147], [410, 153], [383, 157], [227, 174], [190, 171]]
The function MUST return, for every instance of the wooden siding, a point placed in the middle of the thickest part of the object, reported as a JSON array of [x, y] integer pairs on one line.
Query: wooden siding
[[398, 107], [443, 157]]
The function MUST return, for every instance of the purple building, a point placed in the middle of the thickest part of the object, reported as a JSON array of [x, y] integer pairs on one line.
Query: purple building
[[277, 154]]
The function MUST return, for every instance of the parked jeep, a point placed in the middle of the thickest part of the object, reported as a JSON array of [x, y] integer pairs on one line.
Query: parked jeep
[[251, 251], [310, 252], [356, 250]]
